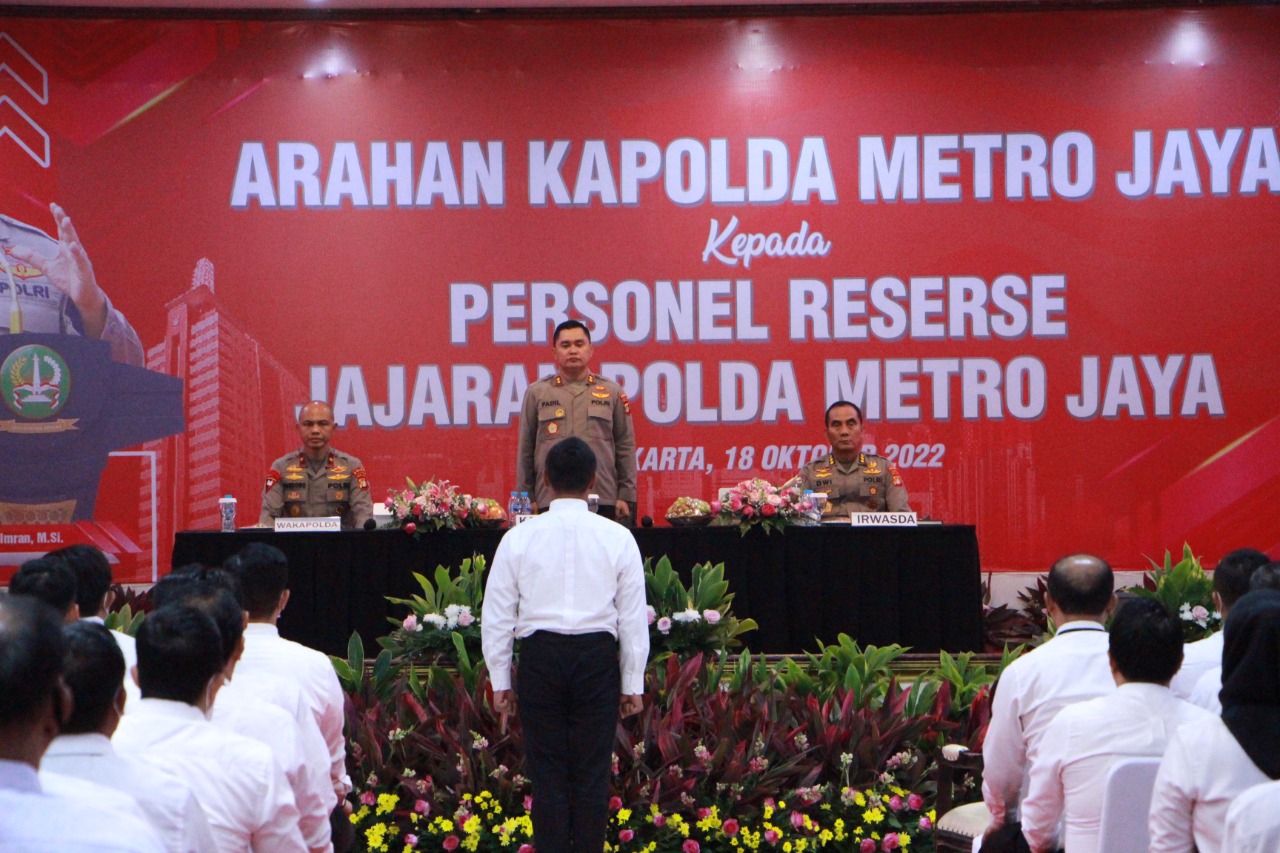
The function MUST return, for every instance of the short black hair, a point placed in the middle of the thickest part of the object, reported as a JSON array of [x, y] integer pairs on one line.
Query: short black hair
[[826, 417], [570, 466], [31, 650], [93, 667], [179, 651], [1146, 641], [263, 572], [48, 579], [213, 593], [1081, 585], [1231, 575], [93, 574], [566, 326], [1265, 577]]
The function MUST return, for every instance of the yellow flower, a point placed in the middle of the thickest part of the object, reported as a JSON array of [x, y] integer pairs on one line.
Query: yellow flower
[[387, 803], [904, 840], [623, 816], [873, 815]]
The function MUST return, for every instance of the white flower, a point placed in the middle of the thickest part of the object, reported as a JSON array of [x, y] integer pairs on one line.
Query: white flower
[[690, 615], [451, 614], [435, 619]]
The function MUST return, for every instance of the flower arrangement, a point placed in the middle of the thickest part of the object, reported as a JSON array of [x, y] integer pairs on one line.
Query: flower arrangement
[[444, 617], [437, 505], [1184, 589], [759, 503], [697, 619]]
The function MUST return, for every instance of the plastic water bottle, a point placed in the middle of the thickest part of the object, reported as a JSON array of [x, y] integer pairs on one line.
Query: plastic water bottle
[[227, 511], [526, 505], [513, 507], [811, 514], [593, 502]]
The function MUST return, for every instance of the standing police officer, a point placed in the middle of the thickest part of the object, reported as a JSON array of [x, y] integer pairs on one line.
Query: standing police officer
[[577, 402], [317, 481], [852, 480]]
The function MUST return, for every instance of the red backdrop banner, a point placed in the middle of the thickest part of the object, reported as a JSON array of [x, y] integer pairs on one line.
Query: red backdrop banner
[[1040, 249]]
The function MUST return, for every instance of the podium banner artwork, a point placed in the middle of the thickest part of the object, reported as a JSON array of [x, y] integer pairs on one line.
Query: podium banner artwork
[[1039, 249]]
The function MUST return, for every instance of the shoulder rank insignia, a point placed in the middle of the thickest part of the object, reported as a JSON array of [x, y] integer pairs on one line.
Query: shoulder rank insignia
[[272, 477], [626, 404], [559, 381], [361, 477]]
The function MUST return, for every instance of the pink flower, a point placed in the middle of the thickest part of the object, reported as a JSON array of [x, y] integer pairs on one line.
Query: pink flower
[[690, 846], [367, 798], [450, 842], [411, 839], [465, 618], [769, 801], [650, 613], [659, 819], [925, 823], [525, 848], [664, 625], [775, 500], [712, 616], [704, 813], [422, 807], [890, 842], [716, 506], [895, 803], [730, 827], [735, 503], [615, 803], [768, 509], [626, 835], [867, 846], [748, 511], [410, 527], [1199, 614], [411, 623], [528, 805], [914, 802], [797, 819], [771, 835]]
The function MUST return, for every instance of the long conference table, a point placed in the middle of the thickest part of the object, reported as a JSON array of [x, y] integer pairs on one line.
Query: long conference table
[[920, 587]]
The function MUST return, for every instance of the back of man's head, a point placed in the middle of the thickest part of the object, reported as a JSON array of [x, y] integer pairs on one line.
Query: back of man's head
[[93, 667], [1265, 577], [1231, 576], [1081, 585], [48, 579], [1146, 641], [213, 592], [31, 651], [570, 466], [179, 651], [263, 572], [93, 575]]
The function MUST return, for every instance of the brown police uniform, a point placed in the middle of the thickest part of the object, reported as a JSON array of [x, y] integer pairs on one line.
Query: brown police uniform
[[593, 409], [340, 487], [867, 484]]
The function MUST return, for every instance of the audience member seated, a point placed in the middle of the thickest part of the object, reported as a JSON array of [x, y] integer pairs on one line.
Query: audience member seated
[[238, 782], [1209, 685], [1207, 766], [263, 571], [94, 670], [50, 580], [1085, 739], [1230, 581], [1253, 821], [237, 710], [33, 703], [94, 597], [1071, 667]]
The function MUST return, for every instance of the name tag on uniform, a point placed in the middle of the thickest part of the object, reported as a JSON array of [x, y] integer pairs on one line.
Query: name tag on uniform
[[884, 519], [326, 524]]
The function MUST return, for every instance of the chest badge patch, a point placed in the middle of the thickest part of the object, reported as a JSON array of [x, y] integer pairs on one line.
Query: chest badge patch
[[553, 428]]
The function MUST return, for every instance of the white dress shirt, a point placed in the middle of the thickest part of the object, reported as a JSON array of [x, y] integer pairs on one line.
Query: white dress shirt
[[568, 571], [129, 648], [33, 820], [1207, 689], [1071, 667], [268, 655], [167, 802], [1197, 659], [1203, 770], [1080, 746], [1253, 821], [240, 711], [238, 782]]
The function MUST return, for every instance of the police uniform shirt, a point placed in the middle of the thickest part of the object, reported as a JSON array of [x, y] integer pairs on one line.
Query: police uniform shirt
[[867, 484], [595, 410], [295, 489], [47, 309]]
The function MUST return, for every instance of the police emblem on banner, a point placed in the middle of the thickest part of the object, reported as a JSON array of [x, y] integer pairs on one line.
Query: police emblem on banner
[[35, 382]]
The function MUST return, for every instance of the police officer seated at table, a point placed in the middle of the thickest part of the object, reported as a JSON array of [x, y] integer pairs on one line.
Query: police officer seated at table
[[317, 481], [853, 481]]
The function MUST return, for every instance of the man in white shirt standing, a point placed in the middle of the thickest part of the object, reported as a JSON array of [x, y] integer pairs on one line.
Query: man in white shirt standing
[[1230, 581], [33, 703], [1085, 739], [570, 585], [1071, 667], [94, 669], [238, 782], [1253, 821]]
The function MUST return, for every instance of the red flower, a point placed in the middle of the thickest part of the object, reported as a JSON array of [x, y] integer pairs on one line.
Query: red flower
[[768, 509], [690, 846], [626, 835], [771, 835], [410, 527], [659, 819], [526, 848], [422, 807], [729, 827], [914, 802], [615, 803], [867, 846], [797, 819], [704, 813], [890, 842], [450, 842]]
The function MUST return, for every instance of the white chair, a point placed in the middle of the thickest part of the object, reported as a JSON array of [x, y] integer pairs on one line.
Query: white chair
[[1126, 799]]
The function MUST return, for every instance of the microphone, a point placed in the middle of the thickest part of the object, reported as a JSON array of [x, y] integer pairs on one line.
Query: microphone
[[370, 524], [647, 521]]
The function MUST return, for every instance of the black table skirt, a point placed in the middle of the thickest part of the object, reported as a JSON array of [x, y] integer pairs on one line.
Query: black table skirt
[[920, 587]]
